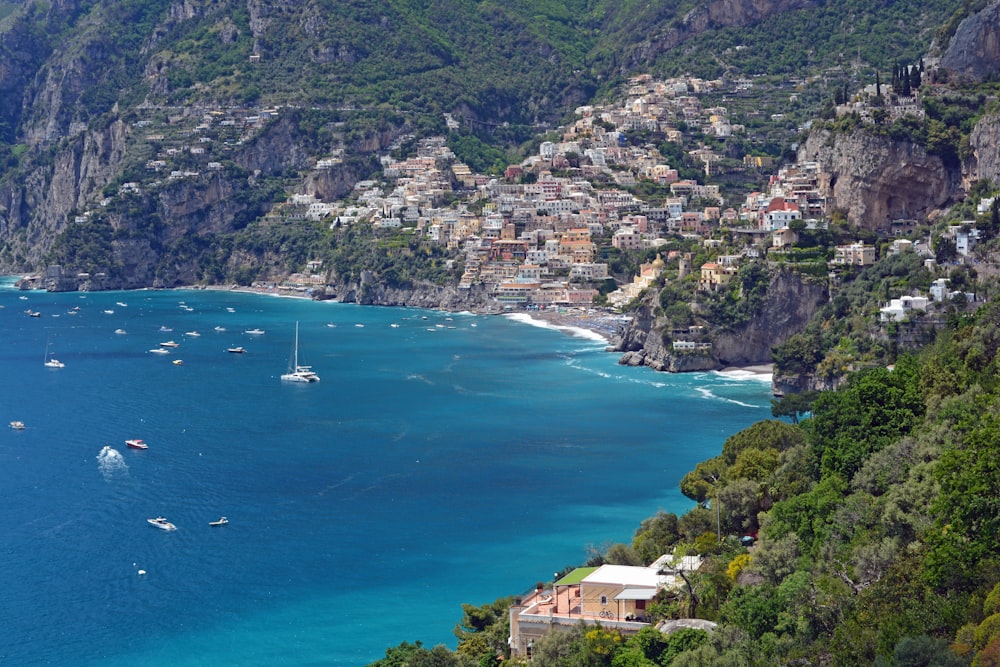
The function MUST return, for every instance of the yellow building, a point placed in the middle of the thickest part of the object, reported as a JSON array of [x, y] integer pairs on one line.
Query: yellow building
[[714, 276]]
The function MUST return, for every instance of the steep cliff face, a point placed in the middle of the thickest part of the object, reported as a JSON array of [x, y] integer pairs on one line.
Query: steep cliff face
[[790, 303], [33, 211], [876, 180], [974, 50], [983, 162]]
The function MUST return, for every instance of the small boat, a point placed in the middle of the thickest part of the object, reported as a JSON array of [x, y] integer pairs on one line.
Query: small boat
[[33, 313], [165, 328], [161, 523], [52, 362], [17, 425], [230, 309], [254, 332], [120, 332], [220, 329], [160, 350], [178, 362], [193, 334], [170, 343], [109, 312], [236, 350], [121, 303], [297, 372], [136, 443], [222, 521]]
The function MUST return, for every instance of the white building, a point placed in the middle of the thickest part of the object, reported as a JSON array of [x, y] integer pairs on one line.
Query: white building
[[898, 309]]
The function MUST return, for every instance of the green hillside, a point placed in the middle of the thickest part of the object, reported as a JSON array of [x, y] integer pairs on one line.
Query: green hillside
[[878, 534]]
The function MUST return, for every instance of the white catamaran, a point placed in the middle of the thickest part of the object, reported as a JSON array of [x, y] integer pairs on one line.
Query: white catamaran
[[297, 372]]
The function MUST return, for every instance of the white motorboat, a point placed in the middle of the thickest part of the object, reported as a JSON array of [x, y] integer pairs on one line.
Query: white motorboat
[[254, 332], [296, 371], [17, 425], [161, 523]]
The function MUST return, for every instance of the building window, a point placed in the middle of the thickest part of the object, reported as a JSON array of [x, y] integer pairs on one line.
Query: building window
[[604, 599]]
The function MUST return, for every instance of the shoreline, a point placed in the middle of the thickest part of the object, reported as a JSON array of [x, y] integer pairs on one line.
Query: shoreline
[[585, 323]]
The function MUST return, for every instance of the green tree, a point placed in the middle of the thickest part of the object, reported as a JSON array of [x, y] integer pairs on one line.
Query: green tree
[[793, 405]]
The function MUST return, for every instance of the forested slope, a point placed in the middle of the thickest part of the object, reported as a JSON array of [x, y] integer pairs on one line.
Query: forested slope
[[878, 520]]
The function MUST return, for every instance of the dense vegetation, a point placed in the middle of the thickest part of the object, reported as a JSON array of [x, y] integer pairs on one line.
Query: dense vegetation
[[879, 532]]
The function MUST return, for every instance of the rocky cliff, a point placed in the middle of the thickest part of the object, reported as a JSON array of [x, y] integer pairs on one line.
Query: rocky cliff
[[983, 160], [370, 292], [974, 50], [876, 180], [790, 302]]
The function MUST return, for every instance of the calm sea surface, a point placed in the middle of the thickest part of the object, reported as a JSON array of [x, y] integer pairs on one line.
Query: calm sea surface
[[442, 459]]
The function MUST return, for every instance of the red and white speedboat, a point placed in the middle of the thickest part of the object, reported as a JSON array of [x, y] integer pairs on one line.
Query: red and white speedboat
[[136, 444]]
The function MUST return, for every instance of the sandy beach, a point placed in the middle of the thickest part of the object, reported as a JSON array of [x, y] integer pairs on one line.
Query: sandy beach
[[588, 323]]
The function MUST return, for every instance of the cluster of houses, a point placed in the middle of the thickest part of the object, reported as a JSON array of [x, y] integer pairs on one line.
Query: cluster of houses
[[535, 234], [534, 237]]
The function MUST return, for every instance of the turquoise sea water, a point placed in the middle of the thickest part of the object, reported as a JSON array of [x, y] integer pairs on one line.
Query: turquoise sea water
[[448, 459]]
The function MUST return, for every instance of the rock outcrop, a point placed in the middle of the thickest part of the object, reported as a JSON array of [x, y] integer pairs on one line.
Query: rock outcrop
[[790, 303], [369, 292], [983, 162], [974, 50], [876, 180]]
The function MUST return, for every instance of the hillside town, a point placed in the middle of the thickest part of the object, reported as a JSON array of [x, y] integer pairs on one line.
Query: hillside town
[[543, 234], [538, 237]]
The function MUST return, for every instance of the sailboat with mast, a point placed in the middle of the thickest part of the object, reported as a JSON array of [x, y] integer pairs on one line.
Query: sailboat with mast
[[296, 371], [52, 362]]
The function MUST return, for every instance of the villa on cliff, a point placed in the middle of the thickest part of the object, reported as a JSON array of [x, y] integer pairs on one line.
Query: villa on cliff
[[614, 596]]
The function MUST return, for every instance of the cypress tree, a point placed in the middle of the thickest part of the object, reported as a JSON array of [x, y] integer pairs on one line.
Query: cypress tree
[[994, 217]]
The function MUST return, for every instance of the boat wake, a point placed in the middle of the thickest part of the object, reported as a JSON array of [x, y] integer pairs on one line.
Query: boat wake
[[111, 463]]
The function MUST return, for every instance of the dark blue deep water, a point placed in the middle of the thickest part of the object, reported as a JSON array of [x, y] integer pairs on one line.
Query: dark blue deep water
[[449, 459]]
